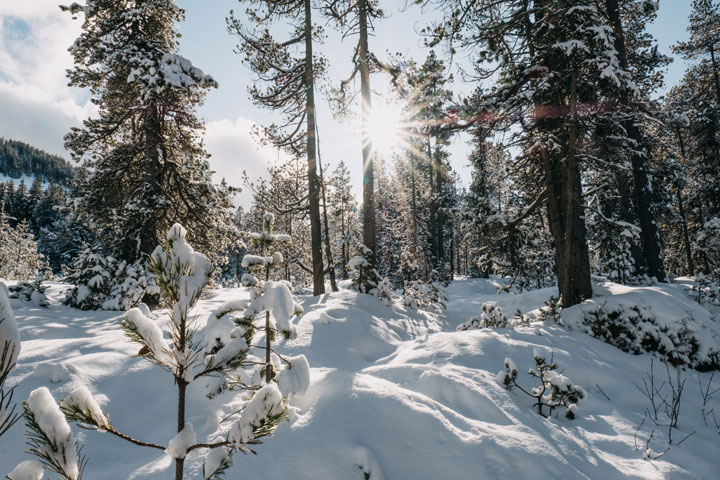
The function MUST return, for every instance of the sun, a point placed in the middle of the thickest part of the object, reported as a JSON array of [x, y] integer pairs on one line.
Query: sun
[[386, 128]]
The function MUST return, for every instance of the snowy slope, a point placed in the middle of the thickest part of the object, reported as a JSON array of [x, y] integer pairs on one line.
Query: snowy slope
[[394, 395], [28, 179]]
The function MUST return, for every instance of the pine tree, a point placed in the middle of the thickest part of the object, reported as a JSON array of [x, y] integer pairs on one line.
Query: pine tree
[[344, 229], [218, 352], [557, 60], [644, 67], [355, 17], [148, 168], [19, 257], [288, 70], [699, 97], [268, 296]]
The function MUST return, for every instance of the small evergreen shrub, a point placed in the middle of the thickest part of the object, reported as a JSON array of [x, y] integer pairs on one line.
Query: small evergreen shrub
[[364, 277], [555, 389], [491, 316], [385, 291], [104, 283], [635, 329], [31, 292], [705, 291], [420, 295], [552, 311]]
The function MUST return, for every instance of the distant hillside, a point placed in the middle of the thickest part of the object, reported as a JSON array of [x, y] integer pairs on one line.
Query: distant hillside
[[18, 159]]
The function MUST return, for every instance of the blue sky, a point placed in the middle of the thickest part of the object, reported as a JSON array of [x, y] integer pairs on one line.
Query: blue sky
[[36, 106]]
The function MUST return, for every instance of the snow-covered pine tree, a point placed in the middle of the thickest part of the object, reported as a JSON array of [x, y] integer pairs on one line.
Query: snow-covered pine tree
[[269, 297], [637, 56], [344, 227], [391, 235], [559, 62], [148, 168], [103, 282], [699, 97], [19, 257], [363, 275], [182, 275]]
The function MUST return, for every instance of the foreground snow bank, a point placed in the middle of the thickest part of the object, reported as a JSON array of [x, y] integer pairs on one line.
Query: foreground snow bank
[[394, 394]]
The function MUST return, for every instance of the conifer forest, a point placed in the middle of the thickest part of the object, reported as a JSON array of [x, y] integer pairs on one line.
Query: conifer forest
[[359, 239]]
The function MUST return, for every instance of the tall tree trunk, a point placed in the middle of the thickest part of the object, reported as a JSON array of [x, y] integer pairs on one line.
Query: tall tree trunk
[[344, 239], [369, 234], [433, 205], [689, 264], [566, 211], [716, 76], [643, 190], [413, 206], [313, 190], [440, 217]]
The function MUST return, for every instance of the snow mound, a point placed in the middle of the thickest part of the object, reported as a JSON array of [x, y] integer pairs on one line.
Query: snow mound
[[660, 319]]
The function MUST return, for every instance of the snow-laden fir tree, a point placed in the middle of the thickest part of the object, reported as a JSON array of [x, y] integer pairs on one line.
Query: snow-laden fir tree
[[103, 282], [19, 257], [363, 275], [268, 298], [145, 167], [189, 354]]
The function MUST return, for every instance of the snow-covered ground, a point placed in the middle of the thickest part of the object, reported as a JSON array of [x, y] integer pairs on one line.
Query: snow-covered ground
[[395, 395]]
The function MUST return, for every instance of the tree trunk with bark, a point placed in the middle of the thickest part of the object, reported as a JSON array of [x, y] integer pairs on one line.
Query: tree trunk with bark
[[369, 234], [313, 184]]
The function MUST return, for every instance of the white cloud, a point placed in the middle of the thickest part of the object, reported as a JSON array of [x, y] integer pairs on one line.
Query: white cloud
[[37, 105], [234, 150]]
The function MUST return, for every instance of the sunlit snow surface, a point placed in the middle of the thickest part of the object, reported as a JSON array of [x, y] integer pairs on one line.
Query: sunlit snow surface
[[395, 394]]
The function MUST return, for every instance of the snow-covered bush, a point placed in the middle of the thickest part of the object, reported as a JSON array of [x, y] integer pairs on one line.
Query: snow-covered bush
[[555, 389], [9, 352], [31, 291], [705, 291], [491, 316], [430, 295], [385, 291], [364, 277], [552, 311], [19, 257], [635, 329], [102, 282], [707, 247]]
